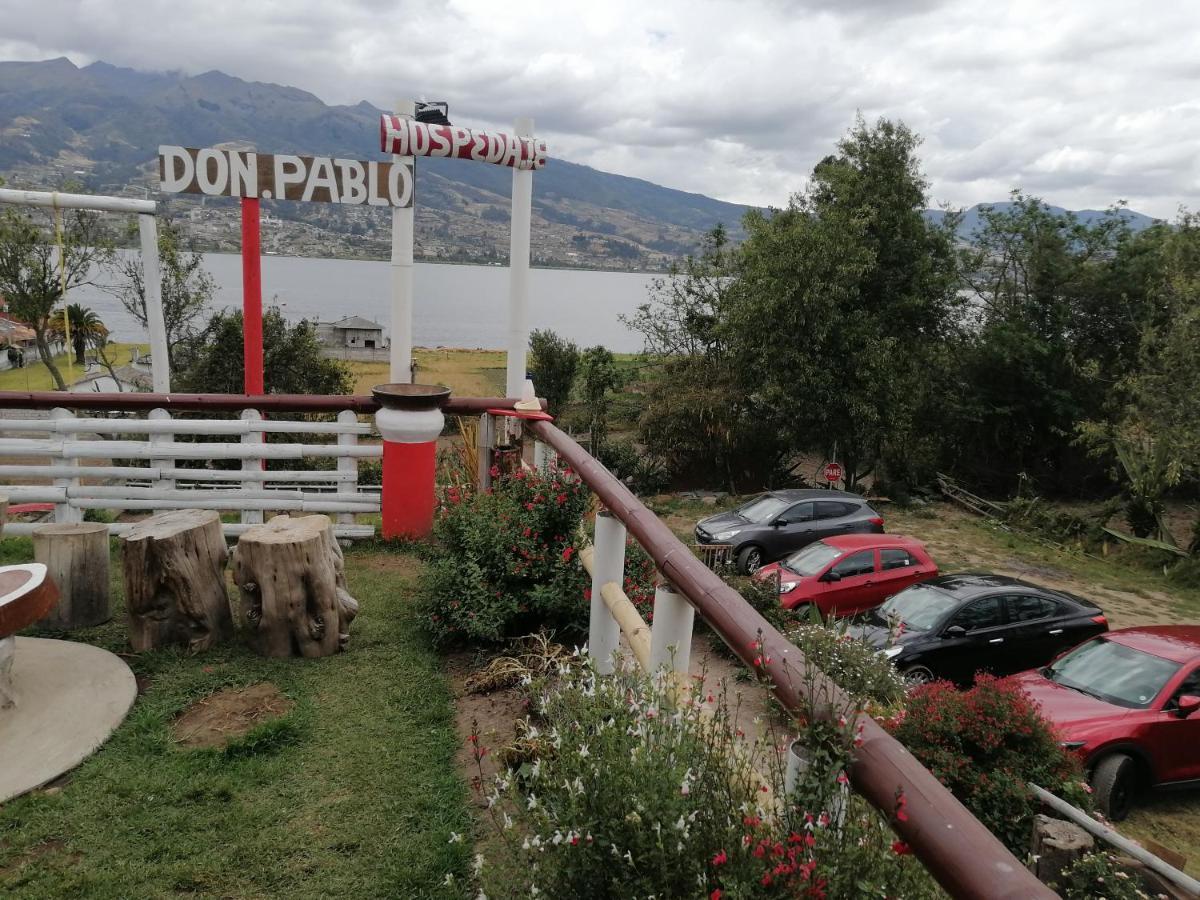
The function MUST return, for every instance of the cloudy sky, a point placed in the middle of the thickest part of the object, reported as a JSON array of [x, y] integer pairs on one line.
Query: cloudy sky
[[1083, 102]]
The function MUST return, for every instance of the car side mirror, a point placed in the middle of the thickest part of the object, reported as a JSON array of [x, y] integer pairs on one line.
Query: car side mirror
[[1188, 704], [831, 576], [955, 631], [781, 522]]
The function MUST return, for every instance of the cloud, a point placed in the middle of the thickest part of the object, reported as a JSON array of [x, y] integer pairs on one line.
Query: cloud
[[1084, 102]]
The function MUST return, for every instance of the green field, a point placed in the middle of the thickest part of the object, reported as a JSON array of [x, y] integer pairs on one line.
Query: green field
[[34, 376]]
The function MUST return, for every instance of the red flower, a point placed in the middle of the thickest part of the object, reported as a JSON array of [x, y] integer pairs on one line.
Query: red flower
[[900, 848], [720, 859], [494, 471], [715, 895], [566, 554]]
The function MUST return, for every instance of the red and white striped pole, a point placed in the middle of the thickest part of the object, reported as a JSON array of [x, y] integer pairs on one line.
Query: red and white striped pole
[[410, 420]]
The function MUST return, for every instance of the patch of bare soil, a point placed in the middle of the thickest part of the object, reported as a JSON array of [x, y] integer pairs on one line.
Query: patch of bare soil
[[46, 849], [226, 715]]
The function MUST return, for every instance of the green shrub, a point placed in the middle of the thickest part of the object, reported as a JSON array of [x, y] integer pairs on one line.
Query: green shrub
[[505, 562], [1098, 875], [854, 667], [645, 475], [986, 745], [628, 795]]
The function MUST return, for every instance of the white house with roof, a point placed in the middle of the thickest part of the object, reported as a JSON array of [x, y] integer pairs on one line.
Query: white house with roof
[[351, 333]]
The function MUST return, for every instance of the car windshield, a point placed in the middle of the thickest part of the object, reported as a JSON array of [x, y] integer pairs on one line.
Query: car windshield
[[918, 607], [762, 510], [812, 559], [1113, 672]]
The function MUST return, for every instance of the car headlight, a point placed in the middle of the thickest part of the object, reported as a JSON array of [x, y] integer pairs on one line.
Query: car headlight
[[890, 652], [726, 535], [786, 587]]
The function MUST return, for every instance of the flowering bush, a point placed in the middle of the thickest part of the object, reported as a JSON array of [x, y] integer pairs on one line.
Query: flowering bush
[[1098, 875], [506, 562], [626, 794], [986, 745], [855, 667]]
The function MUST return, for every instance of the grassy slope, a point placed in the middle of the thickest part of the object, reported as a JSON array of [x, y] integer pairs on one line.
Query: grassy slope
[[36, 377], [355, 798], [471, 373]]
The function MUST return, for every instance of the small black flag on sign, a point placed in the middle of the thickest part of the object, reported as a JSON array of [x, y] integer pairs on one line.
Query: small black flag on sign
[[433, 112]]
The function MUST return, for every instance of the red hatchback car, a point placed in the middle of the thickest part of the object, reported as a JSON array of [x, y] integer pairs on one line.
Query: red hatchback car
[[1128, 702], [849, 573]]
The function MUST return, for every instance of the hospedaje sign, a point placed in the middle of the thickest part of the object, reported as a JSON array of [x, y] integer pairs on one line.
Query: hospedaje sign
[[322, 179]]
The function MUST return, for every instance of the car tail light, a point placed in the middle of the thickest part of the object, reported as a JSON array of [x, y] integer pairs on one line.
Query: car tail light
[[1100, 620], [876, 520]]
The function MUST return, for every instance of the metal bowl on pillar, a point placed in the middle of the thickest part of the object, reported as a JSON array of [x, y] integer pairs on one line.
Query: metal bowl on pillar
[[410, 420]]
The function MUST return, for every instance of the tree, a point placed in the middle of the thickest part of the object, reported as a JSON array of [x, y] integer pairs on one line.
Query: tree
[[187, 289], [552, 363], [844, 299], [292, 359], [598, 377], [85, 328], [35, 276]]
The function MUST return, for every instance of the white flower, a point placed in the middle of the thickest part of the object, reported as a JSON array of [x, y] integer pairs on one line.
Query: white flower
[[533, 801], [557, 839], [449, 879], [481, 896], [477, 863], [455, 837], [536, 769], [583, 751], [533, 890], [629, 857], [508, 822]]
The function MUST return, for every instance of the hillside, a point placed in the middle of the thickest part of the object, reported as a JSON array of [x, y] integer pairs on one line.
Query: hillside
[[101, 125]]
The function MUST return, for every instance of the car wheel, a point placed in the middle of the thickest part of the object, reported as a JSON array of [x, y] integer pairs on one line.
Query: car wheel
[[750, 560], [915, 676], [1114, 781]]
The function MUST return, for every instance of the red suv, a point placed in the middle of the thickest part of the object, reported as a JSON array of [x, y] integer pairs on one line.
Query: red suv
[[1127, 702], [849, 573]]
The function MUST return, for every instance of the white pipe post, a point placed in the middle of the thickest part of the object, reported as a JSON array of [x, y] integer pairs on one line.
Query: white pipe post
[[400, 349], [64, 512], [160, 368], [347, 466], [671, 633], [251, 516], [160, 415], [518, 270], [608, 564], [543, 456]]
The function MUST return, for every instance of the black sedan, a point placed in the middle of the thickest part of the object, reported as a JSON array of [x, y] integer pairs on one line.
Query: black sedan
[[775, 524], [954, 626]]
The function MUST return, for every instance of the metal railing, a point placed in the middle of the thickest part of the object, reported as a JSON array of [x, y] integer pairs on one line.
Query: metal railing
[[966, 859]]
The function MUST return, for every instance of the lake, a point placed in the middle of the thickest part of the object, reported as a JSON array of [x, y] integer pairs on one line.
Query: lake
[[456, 306]]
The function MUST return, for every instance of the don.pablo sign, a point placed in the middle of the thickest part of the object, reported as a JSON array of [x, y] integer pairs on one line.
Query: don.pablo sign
[[280, 176]]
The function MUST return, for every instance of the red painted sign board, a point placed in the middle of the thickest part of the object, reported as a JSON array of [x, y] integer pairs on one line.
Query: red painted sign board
[[833, 472]]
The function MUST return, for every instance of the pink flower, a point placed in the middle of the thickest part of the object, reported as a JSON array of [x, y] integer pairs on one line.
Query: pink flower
[[494, 471], [720, 859]]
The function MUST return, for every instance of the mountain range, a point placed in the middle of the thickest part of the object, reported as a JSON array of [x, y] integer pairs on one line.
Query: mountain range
[[101, 125]]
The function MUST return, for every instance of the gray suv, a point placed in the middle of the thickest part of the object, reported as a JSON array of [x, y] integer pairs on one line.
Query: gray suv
[[776, 523]]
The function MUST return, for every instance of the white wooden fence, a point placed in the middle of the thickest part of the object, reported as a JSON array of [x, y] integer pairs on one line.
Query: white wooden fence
[[155, 481]]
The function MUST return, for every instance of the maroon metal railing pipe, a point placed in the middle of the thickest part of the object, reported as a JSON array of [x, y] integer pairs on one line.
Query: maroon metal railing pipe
[[965, 858], [294, 403]]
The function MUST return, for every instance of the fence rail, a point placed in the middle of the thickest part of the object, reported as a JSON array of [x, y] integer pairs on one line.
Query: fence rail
[[965, 858]]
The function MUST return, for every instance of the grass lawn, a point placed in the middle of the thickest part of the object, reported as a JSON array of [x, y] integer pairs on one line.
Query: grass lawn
[[34, 376], [353, 793], [470, 373]]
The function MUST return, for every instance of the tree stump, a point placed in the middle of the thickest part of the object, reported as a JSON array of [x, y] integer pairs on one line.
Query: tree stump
[[292, 580], [174, 565], [76, 558], [1057, 844]]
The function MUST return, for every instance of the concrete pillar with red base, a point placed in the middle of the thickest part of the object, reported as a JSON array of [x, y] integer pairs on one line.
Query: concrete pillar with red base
[[410, 420]]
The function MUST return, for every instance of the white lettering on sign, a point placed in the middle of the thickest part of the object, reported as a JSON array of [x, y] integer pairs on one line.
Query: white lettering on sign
[[324, 179], [407, 137]]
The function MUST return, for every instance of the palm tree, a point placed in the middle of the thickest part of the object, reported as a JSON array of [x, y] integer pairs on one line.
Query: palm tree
[[86, 328]]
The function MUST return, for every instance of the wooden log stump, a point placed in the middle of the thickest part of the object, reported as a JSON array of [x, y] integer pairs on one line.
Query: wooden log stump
[[174, 565], [292, 580], [76, 558], [1057, 844]]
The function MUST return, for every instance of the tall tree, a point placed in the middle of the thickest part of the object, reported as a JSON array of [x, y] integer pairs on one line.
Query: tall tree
[[552, 363], [598, 378], [186, 288], [37, 269], [844, 299], [85, 328]]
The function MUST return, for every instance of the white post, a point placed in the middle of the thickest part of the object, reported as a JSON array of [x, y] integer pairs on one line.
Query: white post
[[400, 350], [252, 516], [64, 512], [518, 271], [347, 464], [161, 438], [671, 634], [160, 369], [608, 564], [543, 456]]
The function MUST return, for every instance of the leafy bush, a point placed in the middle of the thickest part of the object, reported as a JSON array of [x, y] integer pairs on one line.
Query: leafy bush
[[986, 745], [1098, 875], [505, 562], [855, 667], [642, 473], [628, 795]]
